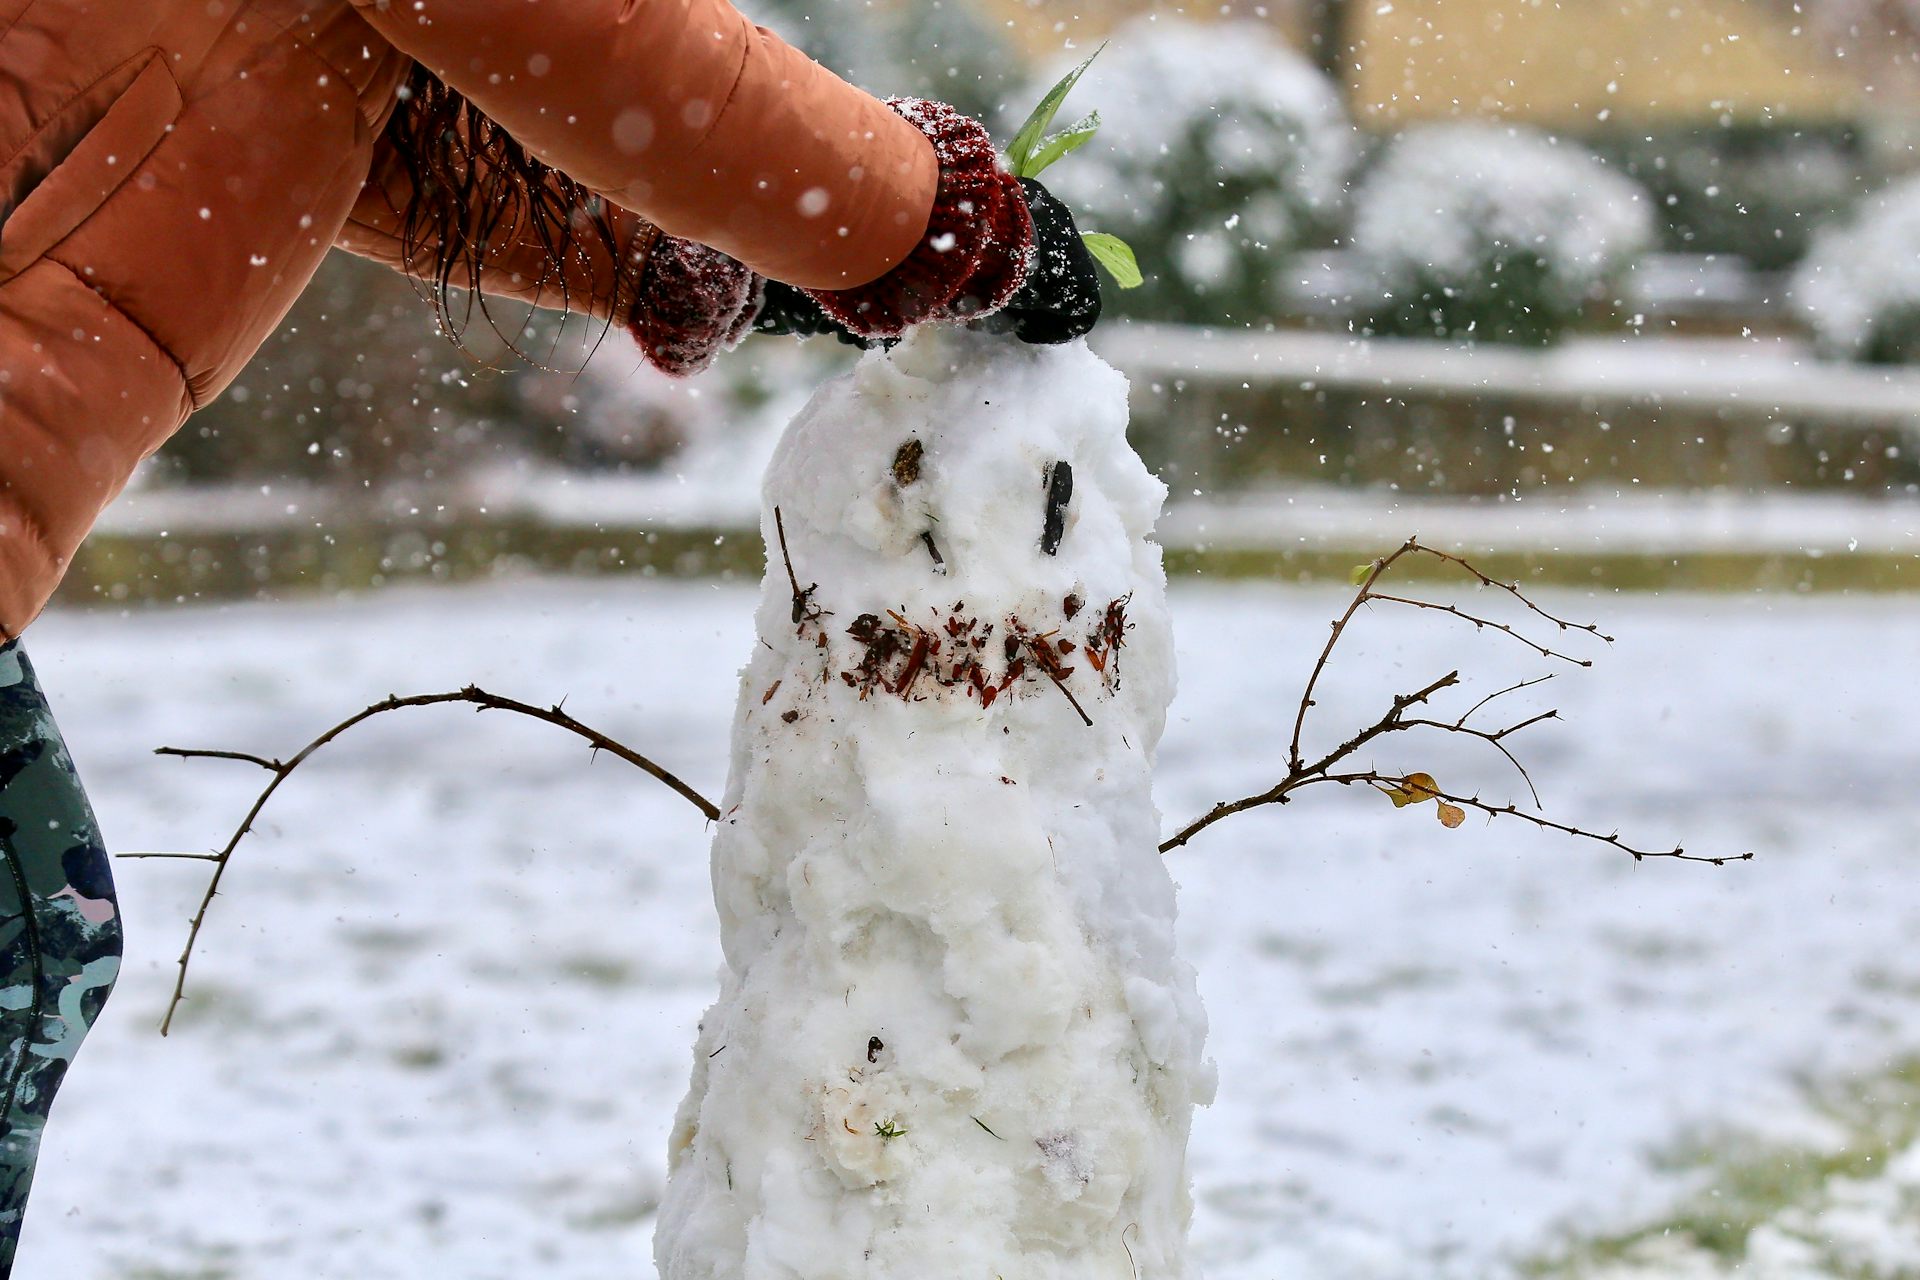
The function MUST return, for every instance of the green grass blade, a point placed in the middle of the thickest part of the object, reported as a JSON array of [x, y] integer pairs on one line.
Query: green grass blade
[[1116, 256], [1025, 142]]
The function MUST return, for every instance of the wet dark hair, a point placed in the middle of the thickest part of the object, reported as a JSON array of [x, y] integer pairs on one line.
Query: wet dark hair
[[474, 188]]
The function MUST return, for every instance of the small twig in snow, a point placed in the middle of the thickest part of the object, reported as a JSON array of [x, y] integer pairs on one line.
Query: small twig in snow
[[242, 756], [1493, 738], [804, 610], [1049, 664]]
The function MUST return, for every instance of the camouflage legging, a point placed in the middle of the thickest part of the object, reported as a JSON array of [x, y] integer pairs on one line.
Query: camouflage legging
[[59, 928]]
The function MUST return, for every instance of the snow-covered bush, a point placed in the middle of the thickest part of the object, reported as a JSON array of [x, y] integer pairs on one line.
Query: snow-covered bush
[[1859, 286], [1490, 233], [1220, 150]]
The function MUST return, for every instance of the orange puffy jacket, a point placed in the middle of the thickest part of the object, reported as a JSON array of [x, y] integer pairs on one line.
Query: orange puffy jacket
[[175, 170]]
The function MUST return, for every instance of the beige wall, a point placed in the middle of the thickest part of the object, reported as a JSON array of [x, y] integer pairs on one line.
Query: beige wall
[[1576, 64], [1582, 63], [1041, 27]]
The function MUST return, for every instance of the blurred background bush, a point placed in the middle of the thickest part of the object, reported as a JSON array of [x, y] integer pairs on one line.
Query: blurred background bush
[[1221, 154], [1858, 287], [1491, 233]]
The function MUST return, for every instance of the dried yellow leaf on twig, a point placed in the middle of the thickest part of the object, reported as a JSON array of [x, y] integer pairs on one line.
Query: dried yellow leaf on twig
[[1415, 788]]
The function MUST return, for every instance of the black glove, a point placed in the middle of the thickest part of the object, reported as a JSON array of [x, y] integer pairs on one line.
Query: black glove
[[1060, 300], [789, 312]]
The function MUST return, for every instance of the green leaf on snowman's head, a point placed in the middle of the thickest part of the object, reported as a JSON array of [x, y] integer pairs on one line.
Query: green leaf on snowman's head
[[1056, 145], [1116, 256], [1021, 151]]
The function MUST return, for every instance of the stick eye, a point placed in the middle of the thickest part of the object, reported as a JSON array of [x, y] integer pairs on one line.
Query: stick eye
[[1059, 485]]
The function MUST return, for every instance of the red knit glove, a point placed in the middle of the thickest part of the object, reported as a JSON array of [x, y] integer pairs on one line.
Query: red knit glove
[[978, 244], [691, 304]]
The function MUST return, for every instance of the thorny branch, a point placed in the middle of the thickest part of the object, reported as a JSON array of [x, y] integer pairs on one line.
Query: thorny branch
[[1418, 788], [1386, 783], [1366, 594], [1457, 612], [282, 769]]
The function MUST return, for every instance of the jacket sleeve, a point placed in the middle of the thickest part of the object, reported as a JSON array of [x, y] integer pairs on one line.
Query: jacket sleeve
[[684, 112]]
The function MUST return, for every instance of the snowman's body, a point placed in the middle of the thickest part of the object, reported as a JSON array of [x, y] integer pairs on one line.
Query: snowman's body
[[953, 1041]]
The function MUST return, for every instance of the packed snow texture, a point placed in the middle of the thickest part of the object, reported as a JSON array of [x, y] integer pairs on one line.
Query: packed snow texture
[[1448, 205], [1213, 173], [953, 1037], [1859, 285]]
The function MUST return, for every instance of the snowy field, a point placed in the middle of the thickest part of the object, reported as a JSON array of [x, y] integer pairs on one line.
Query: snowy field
[[445, 1009]]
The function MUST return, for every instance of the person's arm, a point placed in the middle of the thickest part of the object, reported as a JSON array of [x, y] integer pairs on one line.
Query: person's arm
[[683, 303], [687, 114], [499, 217]]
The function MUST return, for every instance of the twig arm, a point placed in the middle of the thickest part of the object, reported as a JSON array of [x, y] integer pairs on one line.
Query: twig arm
[[1385, 782], [282, 770], [271, 766], [1392, 722], [1541, 649], [1222, 811], [1302, 773], [1378, 568]]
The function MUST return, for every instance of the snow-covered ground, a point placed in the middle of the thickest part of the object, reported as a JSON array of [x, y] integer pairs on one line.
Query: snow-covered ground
[[1576, 523], [445, 1009], [1585, 521], [1780, 376]]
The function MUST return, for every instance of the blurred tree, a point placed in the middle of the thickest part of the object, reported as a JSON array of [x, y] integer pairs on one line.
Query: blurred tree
[[1328, 36]]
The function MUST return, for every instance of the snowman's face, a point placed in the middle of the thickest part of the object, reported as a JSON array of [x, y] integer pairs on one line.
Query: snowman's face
[[973, 458], [965, 520]]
